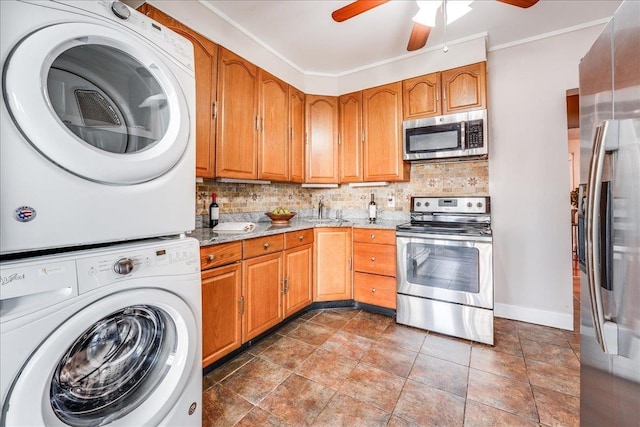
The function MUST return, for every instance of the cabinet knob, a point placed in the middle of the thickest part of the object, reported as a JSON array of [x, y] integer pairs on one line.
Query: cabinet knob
[[266, 245], [211, 257], [373, 258], [373, 236], [300, 238], [373, 290]]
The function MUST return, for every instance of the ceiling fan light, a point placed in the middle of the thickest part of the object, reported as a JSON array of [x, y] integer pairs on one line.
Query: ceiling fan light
[[427, 13], [456, 9]]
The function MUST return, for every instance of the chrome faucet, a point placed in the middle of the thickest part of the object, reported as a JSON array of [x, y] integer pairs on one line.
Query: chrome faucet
[[320, 210]]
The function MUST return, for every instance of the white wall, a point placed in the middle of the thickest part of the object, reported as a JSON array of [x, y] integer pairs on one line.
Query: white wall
[[529, 175]]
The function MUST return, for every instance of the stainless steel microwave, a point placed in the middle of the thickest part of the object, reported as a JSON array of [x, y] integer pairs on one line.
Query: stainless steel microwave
[[450, 136]]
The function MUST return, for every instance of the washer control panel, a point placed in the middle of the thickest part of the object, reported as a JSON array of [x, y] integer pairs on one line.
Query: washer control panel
[[156, 261]]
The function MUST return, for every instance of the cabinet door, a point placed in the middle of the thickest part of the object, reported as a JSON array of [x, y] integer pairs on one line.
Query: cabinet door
[[322, 139], [236, 143], [350, 137], [296, 134], [421, 97], [332, 264], [221, 293], [273, 136], [382, 124], [262, 292], [205, 55], [464, 88], [297, 278]]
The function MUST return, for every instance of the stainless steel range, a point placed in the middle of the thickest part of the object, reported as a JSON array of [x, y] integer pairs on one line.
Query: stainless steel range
[[445, 267]]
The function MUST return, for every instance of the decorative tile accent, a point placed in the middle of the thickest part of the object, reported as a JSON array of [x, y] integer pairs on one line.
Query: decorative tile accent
[[466, 178]]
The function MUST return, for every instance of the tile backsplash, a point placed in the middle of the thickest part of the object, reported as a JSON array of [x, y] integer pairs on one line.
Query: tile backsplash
[[466, 178]]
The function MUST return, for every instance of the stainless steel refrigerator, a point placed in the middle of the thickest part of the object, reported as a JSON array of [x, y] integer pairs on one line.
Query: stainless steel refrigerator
[[609, 224]]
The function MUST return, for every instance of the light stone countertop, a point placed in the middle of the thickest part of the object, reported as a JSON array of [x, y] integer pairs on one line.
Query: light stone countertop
[[206, 237]]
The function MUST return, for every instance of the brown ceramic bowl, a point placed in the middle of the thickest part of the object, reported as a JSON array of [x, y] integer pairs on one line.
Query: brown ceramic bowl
[[280, 218]]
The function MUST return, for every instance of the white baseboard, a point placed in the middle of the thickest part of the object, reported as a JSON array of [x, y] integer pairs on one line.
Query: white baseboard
[[532, 315]]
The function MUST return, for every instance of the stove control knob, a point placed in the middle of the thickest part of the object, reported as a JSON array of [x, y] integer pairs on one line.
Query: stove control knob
[[123, 266], [427, 203], [419, 204], [479, 204], [469, 204]]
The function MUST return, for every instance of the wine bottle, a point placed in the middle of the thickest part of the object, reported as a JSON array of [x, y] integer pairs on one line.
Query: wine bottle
[[214, 211], [372, 210]]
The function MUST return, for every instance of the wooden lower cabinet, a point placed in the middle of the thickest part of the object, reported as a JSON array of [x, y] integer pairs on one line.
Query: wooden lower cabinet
[[262, 294], [298, 264], [332, 262], [374, 263], [374, 289], [221, 320]]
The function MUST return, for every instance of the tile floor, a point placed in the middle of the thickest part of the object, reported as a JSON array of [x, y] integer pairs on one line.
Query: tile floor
[[347, 367]]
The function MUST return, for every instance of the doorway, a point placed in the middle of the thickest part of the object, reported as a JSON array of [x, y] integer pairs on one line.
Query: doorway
[[573, 148]]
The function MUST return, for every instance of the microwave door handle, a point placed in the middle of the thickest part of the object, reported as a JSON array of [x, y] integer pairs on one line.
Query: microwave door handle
[[463, 135]]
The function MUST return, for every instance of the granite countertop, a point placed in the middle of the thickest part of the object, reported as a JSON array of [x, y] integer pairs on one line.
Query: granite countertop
[[207, 237]]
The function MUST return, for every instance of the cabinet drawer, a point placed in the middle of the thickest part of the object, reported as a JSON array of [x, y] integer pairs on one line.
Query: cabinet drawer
[[374, 290], [263, 245], [374, 235], [293, 239], [373, 258], [216, 255]]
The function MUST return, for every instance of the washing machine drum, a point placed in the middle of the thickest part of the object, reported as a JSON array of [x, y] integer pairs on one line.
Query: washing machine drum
[[112, 109], [103, 375]]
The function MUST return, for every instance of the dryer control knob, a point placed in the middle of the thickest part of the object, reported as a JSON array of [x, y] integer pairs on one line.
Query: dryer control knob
[[123, 266], [120, 10]]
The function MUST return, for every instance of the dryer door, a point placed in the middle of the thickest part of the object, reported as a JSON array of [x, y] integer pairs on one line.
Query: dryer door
[[124, 359], [100, 103]]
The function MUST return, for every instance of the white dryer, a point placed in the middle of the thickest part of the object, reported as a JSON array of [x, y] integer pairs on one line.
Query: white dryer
[[97, 126], [103, 336]]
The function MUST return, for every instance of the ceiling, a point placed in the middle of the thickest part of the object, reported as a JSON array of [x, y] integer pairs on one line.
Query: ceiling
[[304, 35]]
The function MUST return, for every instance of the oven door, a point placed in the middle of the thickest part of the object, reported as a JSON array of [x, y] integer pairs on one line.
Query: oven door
[[447, 268]]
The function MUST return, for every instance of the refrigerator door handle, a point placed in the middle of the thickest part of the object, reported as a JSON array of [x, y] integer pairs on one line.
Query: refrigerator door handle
[[605, 332]]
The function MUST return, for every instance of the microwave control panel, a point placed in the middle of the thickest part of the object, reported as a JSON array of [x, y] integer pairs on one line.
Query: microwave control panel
[[474, 135]]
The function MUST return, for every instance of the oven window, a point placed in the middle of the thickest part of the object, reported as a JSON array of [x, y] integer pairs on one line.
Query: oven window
[[448, 267]]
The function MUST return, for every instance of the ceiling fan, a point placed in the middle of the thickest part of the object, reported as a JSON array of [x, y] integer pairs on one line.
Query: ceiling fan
[[420, 32]]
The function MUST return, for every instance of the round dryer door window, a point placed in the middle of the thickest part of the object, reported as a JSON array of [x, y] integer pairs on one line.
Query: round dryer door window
[[106, 364], [101, 104]]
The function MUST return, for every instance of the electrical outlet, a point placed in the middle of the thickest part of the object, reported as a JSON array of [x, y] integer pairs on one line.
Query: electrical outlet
[[391, 201]]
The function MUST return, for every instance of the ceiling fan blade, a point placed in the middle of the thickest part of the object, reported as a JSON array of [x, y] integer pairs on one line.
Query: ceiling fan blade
[[419, 36], [354, 9], [520, 3]]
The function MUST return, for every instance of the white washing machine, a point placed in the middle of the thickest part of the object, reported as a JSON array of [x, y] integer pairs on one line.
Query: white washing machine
[[97, 126], [103, 336]]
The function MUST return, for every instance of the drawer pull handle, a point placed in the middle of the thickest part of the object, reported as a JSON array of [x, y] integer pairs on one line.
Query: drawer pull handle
[[266, 245], [211, 257], [373, 236], [301, 237], [373, 290], [373, 258]]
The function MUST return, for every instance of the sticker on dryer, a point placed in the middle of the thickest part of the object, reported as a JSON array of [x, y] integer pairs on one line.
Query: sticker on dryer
[[25, 213]]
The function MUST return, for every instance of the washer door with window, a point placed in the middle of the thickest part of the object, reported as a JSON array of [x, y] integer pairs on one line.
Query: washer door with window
[[125, 359], [97, 102]]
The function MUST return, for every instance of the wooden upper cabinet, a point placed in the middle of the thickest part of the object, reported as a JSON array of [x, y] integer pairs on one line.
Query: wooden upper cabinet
[[236, 143], [273, 134], [382, 126], [322, 139], [464, 88], [350, 137], [206, 57], [450, 91], [296, 135], [421, 96]]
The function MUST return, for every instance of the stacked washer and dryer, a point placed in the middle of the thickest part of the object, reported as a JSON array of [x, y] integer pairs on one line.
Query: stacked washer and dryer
[[100, 304]]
